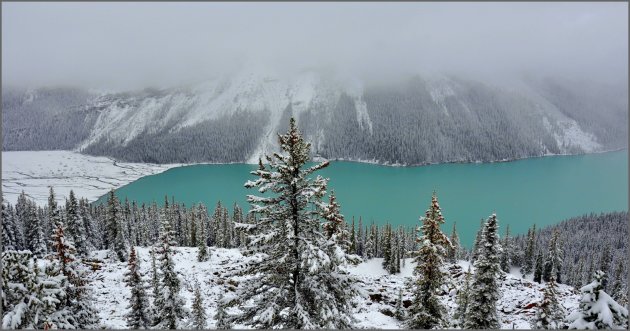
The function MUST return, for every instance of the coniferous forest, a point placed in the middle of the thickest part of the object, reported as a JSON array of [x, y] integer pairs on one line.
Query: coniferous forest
[[314, 165], [299, 249]]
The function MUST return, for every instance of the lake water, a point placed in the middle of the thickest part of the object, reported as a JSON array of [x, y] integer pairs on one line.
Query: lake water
[[539, 190]]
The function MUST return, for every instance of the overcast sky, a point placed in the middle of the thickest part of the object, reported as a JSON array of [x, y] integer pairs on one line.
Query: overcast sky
[[130, 45]]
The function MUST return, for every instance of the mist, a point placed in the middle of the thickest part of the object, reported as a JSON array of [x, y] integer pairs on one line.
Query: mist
[[135, 45]]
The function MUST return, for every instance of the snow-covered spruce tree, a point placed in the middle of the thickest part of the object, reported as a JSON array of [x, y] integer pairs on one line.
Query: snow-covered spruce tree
[[369, 246], [34, 231], [426, 311], [550, 313], [202, 254], [88, 226], [298, 280], [618, 291], [360, 237], [387, 247], [11, 235], [529, 258], [55, 313], [221, 317], [554, 258], [78, 294], [215, 231], [604, 265], [353, 238], [53, 215], [538, 268], [114, 236], [453, 251], [237, 218], [155, 276], [193, 228], [475, 249], [198, 316], [138, 317], [597, 309], [227, 228], [506, 257], [168, 303], [333, 223], [21, 291], [462, 302], [394, 264], [484, 290], [75, 226]]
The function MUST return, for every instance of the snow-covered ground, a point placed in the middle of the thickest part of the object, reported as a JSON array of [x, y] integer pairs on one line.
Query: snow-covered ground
[[88, 176], [374, 309]]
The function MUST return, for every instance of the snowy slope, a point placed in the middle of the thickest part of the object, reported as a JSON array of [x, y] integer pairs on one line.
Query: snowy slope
[[343, 116], [373, 310], [88, 176]]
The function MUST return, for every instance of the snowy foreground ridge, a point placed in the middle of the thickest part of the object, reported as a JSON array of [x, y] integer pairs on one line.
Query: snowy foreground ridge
[[374, 309], [89, 176]]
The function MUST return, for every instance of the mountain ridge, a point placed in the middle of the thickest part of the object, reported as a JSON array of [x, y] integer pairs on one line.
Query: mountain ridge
[[419, 120]]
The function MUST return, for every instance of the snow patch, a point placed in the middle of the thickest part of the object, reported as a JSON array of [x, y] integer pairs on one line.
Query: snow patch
[[89, 176]]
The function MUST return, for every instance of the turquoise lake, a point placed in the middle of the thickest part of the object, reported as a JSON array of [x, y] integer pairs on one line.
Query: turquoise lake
[[542, 190]]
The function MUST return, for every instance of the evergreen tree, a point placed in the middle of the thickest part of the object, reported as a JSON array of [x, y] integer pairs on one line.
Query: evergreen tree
[[618, 291], [590, 271], [169, 305], [34, 231], [333, 222], [138, 317], [506, 257], [298, 281], [115, 240], [538, 270], [202, 254], [75, 226], [476, 245], [10, 231], [387, 247], [353, 239], [21, 294], [155, 287], [78, 299], [90, 234], [360, 238], [198, 310], [578, 275], [484, 292], [426, 310], [453, 251], [369, 245], [597, 309], [554, 258], [528, 259], [216, 238], [237, 218], [221, 317], [462, 301], [193, 229], [53, 215], [605, 262], [550, 313]]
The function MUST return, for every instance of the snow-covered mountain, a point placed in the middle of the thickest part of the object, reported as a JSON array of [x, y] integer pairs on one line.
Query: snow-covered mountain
[[422, 119]]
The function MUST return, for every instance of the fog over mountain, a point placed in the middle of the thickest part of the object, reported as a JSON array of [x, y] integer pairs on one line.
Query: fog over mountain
[[123, 46], [408, 83]]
